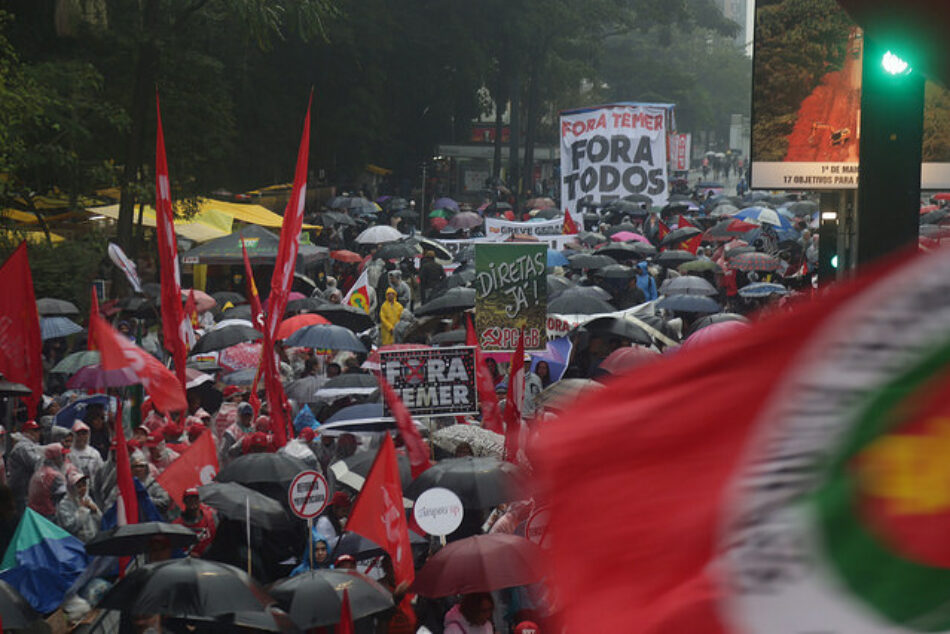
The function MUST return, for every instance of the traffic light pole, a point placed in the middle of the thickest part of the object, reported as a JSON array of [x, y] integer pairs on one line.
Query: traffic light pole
[[892, 107]]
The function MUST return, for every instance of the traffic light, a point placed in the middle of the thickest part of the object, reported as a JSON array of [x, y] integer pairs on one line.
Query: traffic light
[[894, 65], [827, 247]]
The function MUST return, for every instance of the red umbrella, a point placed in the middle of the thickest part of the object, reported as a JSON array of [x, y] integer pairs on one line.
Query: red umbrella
[[346, 256], [240, 356], [480, 564], [438, 223], [626, 358], [292, 325], [755, 262], [713, 332]]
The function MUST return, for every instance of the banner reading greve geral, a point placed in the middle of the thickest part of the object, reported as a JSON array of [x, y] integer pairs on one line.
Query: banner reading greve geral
[[432, 381], [510, 294], [611, 151]]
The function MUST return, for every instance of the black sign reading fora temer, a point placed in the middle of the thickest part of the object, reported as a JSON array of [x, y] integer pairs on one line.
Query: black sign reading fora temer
[[432, 381]]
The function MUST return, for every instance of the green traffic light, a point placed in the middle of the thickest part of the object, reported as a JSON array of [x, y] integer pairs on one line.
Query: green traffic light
[[834, 261], [894, 65]]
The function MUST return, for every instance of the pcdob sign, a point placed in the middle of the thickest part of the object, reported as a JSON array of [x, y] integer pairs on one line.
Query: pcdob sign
[[432, 381]]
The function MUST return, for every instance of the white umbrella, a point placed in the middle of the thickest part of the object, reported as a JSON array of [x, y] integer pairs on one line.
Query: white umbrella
[[378, 234], [482, 441], [224, 323]]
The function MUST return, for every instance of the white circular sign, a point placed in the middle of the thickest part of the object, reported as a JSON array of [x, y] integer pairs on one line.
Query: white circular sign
[[308, 495], [438, 511], [536, 528]]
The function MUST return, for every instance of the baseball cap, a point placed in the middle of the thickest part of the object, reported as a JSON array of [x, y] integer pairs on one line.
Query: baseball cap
[[192, 492], [79, 426], [340, 498], [76, 477], [527, 627], [30, 425], [154, 439]]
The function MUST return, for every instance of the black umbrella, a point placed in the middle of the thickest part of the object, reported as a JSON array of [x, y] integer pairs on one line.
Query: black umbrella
[[689, 304], [225, 338], [709, 320], [49, 306], [238, 312], [480, 483], [449, 338], [933, 217], [688, 285], [548, 214], [616, 272], [186, 588], [462, 277], [626, 207], [325, 337], [349, 317], [678, 235], [306, 305], [134, 539], [452, 301], [673, 258], [352, 471], [360, 548], [256, 469], [590, 238], [623, 226], [590, 261], [395, 204], [617, 327], [803, 207], [231, 499], [337, 218], [628, 250], [571, 303], [557, 283], [17, 613], [314, 598], [406, 213], [396, 250], [9, 388], [496, 208], [223, 297], [639, 198]]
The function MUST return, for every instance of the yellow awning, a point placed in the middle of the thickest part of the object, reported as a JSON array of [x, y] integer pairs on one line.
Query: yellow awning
[[379, 171], [251, 214], [33, 237], [203, 226]]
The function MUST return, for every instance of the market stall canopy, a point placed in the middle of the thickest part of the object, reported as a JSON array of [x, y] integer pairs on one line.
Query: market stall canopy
[[202, 227], [261, 248], [249, 213]]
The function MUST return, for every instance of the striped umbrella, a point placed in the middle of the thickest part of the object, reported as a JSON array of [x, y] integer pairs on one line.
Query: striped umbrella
[[755, 262]]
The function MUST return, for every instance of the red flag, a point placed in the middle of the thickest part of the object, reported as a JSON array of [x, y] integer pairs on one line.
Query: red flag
[[173, 318], [116, 352], [197, 465], [20, 340], [345, 626], [513, 401], [687, 490], [257, 313], [378, 513], [127, 505], [691, 245], [487, 399], [569, 226], [741, 225], [418, 454], [662, 232], [281, 282]]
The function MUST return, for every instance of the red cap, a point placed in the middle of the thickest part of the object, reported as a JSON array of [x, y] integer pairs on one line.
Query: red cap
[[189, 492], [30, 425], [527, 627], [171, 431], [133, 444], [154, 439], [196, 430], [340, 498], [306, 434], [343, 559]]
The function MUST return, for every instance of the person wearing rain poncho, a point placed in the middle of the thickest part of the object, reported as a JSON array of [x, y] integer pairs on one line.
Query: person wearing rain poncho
[[48, 483], [645, 282], [389, 314], [76, 512], [321, 555]]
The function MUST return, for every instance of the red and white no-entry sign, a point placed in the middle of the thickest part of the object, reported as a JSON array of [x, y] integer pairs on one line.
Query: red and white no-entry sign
[[308, 494]]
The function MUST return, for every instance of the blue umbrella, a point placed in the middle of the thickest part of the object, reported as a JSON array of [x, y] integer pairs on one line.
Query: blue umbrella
[[357, 412], [557, 355], [689, 304], [445, 203], [762, 289], [55, 327], [556, 258], [325, 337], [77, 409], [765, 215]]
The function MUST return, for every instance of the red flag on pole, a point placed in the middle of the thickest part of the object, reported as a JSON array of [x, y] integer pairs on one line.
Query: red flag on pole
[[127, 506], [691, 245], [569, 226], [513, 401], [662, 232], [173, 318], [378, 514], [487, 399], [281, 282], [20, 340], [257, 313], [345, 626], [117, 352], [196, 465], [418, 454]]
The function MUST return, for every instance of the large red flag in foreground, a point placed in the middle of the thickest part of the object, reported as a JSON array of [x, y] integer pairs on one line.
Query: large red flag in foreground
[[418, 454], [117, 352], [281, 282], [779, 480], [20, 341], [197, 465], [378, 514], [174, 327], [487, 399]]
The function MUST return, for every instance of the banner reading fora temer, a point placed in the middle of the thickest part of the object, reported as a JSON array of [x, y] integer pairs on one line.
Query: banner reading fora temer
[[608, 152], [510, 293]]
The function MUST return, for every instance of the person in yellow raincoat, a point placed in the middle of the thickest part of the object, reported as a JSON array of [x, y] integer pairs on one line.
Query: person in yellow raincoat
[[389, 314]]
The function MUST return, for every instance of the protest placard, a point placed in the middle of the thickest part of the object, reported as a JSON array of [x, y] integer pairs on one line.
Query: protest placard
[[510, 294], [432, 381]]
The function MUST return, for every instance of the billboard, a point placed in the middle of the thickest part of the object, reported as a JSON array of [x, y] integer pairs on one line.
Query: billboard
[[611, 151], [806, 101]]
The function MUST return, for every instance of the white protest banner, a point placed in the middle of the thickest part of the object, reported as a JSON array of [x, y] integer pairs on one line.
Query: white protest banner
[[432, 381], [547, 231], [438, 511], [608, 152], [679, 152], [127, 266]]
